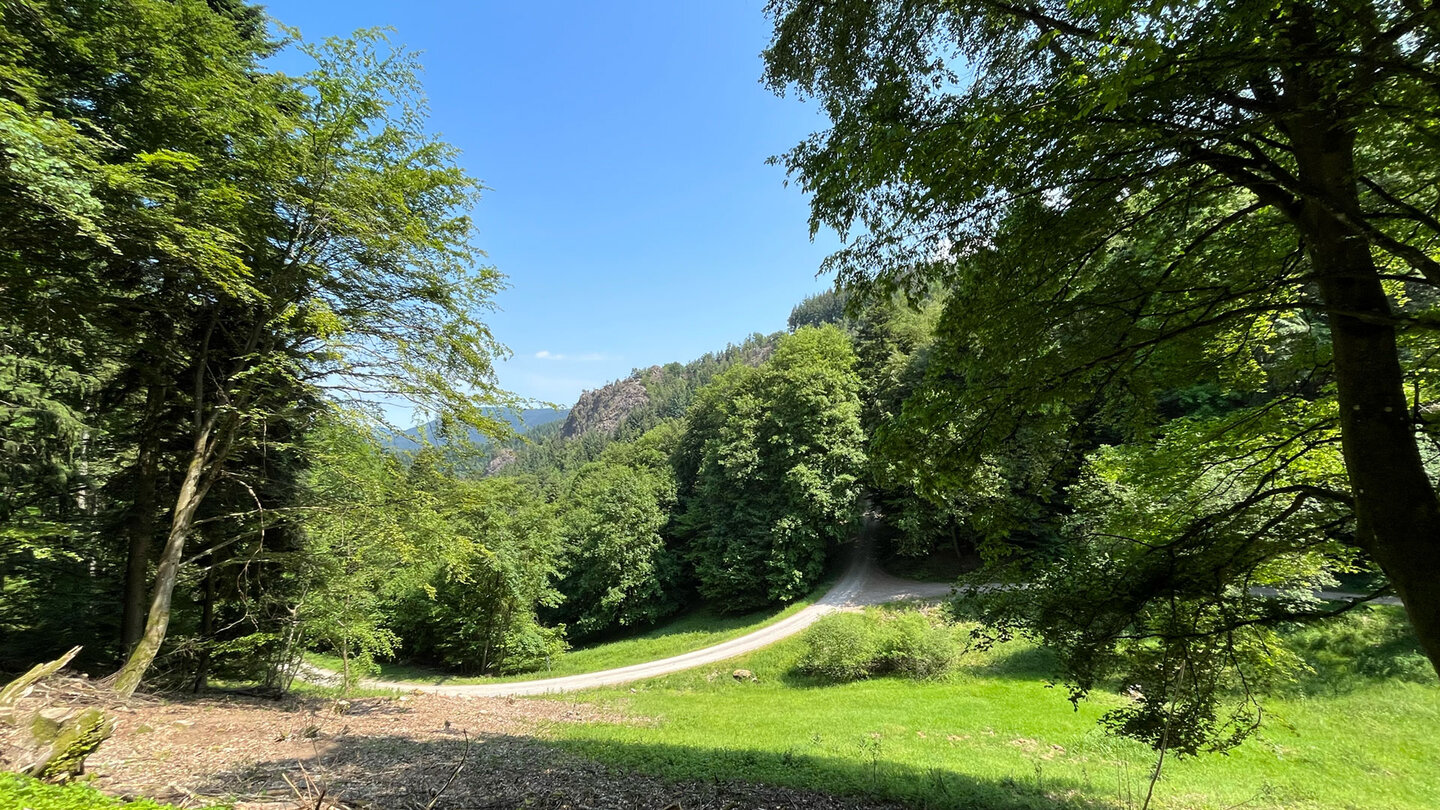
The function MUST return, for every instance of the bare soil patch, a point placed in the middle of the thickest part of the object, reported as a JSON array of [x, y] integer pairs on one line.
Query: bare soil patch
[[407, 753]]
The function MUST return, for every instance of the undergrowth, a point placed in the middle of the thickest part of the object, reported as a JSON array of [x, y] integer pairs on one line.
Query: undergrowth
[[23, 793]]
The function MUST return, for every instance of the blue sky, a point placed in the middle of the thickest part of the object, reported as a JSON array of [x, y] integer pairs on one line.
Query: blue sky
[[624, 145]]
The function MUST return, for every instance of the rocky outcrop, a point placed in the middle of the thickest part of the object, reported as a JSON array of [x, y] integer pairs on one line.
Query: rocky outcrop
[[604, 409], [504, 458]]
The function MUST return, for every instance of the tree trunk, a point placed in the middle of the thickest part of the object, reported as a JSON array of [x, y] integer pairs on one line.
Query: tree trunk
[[197, 481], [207, 629], [139, 526], [1396, 508]]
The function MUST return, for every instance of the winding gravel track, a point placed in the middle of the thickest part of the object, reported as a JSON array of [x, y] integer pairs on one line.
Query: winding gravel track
[[862, 584]]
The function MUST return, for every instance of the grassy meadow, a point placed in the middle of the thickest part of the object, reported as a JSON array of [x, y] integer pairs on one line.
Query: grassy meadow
[[995, 734]]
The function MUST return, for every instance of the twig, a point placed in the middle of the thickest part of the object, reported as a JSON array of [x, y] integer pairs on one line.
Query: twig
[[459, 766], [1164, 739]]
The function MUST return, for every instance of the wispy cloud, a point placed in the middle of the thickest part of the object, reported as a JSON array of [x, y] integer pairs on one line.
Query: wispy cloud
[[589, 357]]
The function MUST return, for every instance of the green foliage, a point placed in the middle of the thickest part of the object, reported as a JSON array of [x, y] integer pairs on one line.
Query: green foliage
[[478, 611], [842, 647], [914, 645], [775, 455], [199, 256], [819, 309], [1367, 644], [622, 572], [372, 538], [18, 792], [845, 647], [1148, 391]]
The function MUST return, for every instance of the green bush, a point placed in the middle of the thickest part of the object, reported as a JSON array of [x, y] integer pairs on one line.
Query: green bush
[[913, 646], [851, 646], [17, 792], [842, 647]]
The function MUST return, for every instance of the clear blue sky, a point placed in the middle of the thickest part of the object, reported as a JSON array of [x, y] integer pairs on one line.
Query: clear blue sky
[[624, 145]]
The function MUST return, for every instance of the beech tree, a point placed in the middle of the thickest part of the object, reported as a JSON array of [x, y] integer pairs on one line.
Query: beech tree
[[198, 250], [771, 463], [357, 278], [1126, 200]]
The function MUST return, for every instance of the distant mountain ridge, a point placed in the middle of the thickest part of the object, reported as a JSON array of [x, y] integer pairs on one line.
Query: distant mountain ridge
[[519, 421]]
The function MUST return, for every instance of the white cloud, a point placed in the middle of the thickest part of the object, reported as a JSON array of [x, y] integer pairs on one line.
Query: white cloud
[[589, 357]]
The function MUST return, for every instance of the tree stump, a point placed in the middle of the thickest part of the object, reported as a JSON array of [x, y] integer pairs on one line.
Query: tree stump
[[55, 740], [77, 737]]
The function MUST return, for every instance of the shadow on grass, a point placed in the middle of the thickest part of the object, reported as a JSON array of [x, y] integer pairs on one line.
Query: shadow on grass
[[502, 771], [1348, 652], [1028, 663]]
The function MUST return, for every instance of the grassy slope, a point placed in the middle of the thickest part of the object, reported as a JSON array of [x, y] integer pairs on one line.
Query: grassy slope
[[693, 631], [995, 736]]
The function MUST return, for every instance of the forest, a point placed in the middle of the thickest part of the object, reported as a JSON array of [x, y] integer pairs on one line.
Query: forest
[[1133, 334]]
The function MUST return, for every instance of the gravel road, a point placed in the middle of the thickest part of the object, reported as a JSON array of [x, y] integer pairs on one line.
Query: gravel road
[[863, 583]]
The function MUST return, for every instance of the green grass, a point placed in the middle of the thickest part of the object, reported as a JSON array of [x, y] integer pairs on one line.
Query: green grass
[[695, 630], [23, 793], [993, 735]]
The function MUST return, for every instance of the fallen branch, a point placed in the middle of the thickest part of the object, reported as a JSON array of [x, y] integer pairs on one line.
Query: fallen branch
[[459, 766], [23, 685]]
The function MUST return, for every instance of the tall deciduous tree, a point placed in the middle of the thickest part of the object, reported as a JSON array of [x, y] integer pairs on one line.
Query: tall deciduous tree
[[1124, 195], [355, 276], [771, 460], [622, 572], [236, 245]]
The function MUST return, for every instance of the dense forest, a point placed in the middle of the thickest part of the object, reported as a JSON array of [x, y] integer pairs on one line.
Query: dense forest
[[1160, 347]]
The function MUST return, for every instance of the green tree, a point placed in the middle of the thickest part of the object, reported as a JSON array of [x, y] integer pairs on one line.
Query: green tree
[[622, 569], [771, 462], [119, 180], [371, 539], [820, 308], [479, 611], [1126, 200], [360, 280]]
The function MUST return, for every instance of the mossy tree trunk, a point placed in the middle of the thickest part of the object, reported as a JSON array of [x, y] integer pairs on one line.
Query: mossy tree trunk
[[211, 441]]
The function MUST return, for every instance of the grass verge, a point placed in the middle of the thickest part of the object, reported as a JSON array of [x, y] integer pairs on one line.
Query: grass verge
[[994, 734]]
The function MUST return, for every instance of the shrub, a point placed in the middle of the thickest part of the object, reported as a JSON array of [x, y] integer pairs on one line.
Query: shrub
[[851, 646], [913, 646], [842, 647]]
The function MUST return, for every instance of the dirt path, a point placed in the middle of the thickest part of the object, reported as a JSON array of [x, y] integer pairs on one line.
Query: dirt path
[[863, 583]]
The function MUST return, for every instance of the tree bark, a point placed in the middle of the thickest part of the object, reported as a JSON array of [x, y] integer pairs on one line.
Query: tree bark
[[140, 524], [203, 459], [207, 628], [1397, 510]]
